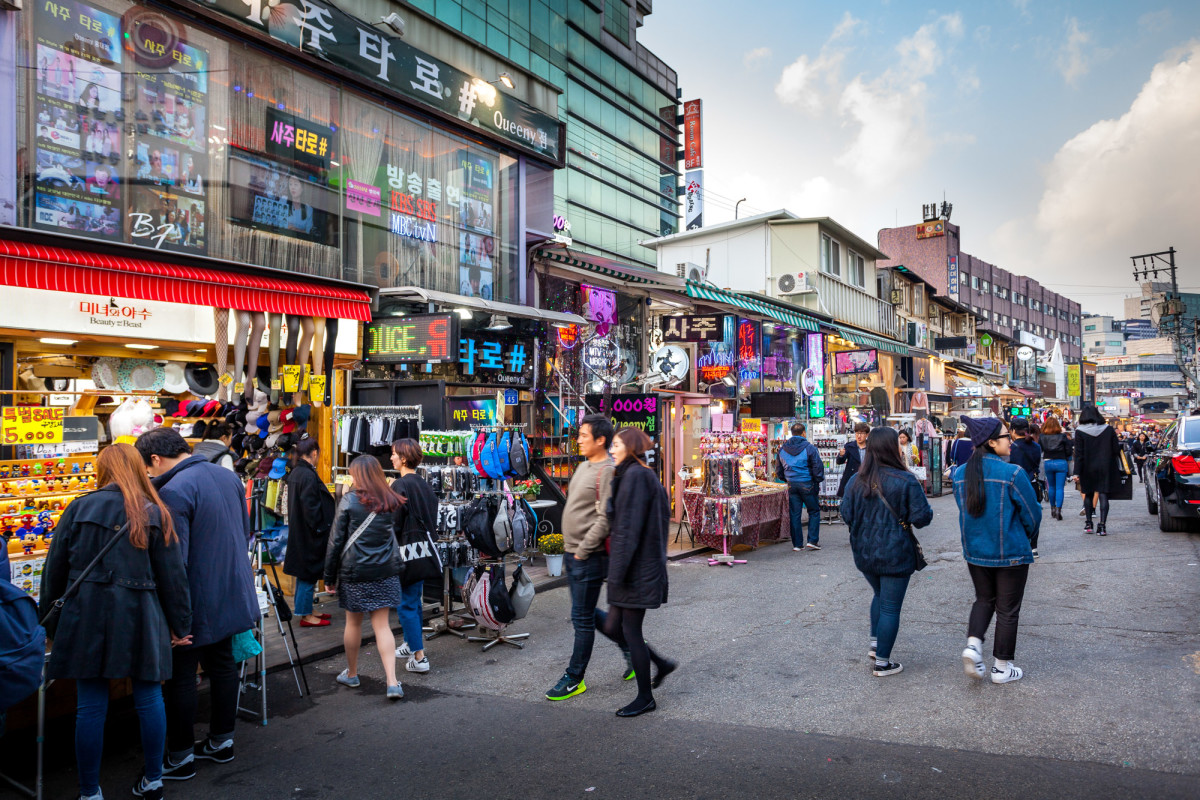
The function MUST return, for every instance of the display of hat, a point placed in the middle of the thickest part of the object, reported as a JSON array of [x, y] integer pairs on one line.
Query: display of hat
[[201, 379], [57, 384], [264, 425], [211, 408], [170, 407], [199, 429], [174, 380], [300, 415], [286, 441], [140, 375], [253, 443], [276, 419], [981, 430], [285, 418], [237, 442], [185, 430], [273, 439], [104, 373], [194, 407]]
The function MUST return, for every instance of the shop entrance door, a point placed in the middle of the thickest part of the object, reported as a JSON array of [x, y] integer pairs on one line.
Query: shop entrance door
[[685, 418]]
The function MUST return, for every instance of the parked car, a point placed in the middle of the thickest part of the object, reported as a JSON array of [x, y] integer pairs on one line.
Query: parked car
[[1173, 488]]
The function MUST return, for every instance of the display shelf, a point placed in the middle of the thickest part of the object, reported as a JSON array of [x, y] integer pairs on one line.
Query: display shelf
[[43, 495]]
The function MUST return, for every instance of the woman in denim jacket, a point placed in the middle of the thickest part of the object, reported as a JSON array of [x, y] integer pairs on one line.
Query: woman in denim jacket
[[999, 516]]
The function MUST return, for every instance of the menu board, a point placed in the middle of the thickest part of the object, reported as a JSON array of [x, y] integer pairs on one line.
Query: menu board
[[77, 116]]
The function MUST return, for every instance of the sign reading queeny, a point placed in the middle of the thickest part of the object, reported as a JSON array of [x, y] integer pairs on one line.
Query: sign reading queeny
[[321, 30], [694, 328], [408, 340]]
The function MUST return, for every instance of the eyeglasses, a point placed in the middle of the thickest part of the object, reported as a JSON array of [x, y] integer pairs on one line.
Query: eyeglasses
[[1004, 436]]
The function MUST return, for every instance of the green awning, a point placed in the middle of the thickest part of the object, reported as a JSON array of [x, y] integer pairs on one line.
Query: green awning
[[700, 291], [870, 340]]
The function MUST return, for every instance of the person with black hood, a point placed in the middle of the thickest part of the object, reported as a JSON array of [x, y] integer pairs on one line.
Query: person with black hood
[[638, 512], [851, 455], [879, 499], [310, 509], [1096, 453], [800, 466]]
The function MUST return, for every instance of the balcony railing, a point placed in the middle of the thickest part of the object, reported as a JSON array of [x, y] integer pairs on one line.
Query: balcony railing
[[857, 307]]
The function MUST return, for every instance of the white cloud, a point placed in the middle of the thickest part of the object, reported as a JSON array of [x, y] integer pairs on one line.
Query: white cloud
[[1022, 6], [1072, 60], [1121, 187], [755, 57], [968, 81], [807, 82], [1156, 21], [845, 27]]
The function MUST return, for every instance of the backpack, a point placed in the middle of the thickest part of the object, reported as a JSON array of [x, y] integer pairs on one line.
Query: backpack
[[477, 519], [499, 603], [22, 645], [503, 446], [518, 457]]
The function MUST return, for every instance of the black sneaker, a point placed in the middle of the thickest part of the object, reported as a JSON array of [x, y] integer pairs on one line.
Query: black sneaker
[[566, 687], [221, 755], [179, 772], [140, 789], [665, 669], [891, 668], [1087, 527]]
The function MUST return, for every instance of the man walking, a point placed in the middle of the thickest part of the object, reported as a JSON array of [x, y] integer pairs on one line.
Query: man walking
[[208, 508], [851, 455], [585, 529], [801, 467]]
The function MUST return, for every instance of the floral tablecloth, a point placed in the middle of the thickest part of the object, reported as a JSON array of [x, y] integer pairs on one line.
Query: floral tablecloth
[[764, 516]]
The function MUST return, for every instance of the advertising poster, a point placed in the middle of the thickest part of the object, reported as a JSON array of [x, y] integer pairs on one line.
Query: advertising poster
[[476, 237], [77, 153], [169, 204], [694, 200], [8, 99], [266, 195]]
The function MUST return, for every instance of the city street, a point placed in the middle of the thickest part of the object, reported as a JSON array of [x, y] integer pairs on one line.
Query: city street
[[773, 696]]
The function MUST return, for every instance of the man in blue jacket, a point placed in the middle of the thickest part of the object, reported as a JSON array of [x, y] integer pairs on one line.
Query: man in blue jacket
[[208, 508], [800, 466]]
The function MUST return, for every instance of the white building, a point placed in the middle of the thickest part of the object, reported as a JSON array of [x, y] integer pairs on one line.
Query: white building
[[1146, 373], [1101, 337]]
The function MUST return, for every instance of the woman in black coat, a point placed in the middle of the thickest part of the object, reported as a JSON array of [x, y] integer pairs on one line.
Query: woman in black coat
[[877, 499], [1096, 452], [127, 614], [637, 567], [310, 514]]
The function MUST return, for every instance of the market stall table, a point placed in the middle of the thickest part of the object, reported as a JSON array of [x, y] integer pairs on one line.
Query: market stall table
[[764, 515]]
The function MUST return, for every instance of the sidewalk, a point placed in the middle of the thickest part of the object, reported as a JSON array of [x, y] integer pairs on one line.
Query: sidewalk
[[317, 644]]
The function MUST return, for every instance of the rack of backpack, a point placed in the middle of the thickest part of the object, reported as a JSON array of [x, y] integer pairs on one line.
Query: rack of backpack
[[359, 430]]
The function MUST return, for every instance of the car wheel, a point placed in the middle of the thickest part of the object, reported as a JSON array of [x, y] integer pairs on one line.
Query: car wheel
[[1151, 503], [1168, 523]]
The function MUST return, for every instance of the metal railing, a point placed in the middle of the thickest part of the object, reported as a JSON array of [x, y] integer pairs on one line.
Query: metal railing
[[856, 306]]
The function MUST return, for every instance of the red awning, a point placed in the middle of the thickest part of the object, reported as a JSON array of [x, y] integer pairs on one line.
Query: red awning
[[1028, 392], [62, 270]]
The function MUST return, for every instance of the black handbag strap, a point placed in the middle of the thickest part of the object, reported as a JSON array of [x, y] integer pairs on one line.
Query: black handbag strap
[[907, 526], [74, 587]]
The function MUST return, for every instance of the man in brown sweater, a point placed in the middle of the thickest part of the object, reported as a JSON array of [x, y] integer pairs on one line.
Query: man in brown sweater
[[585, 529]]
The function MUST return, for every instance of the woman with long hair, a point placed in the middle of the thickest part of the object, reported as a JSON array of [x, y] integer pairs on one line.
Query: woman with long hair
[[878, 500], [998, 516], [362, 565], [638, 511], [907, 448], [310, 516], [1096, 453], [125, 625], [1141, 449], [1056, 452]]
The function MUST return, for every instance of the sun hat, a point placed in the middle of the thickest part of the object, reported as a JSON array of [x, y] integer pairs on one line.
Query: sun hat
[[104, 373], [139, 374], [201, 379], [174, 379]]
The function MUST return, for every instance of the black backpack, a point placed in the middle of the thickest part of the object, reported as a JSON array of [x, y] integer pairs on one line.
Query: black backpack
[[477, 519]]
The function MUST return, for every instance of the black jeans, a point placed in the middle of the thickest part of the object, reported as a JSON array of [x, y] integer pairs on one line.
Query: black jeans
[[584, 581], [998, 590], [180, 692]]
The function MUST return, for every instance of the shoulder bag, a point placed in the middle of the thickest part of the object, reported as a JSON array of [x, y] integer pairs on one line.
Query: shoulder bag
[[49, 620], [907, 528], [419, 557], [354, 538]]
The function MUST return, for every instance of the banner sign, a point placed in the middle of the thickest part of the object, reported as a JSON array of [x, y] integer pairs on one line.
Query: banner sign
[[694, 328], [1073, 381], [952, 276], [694, 191], [468, 411], [629, 411], [321, 30], [693, 150], [31, 425], [928, 230], [297, 141]]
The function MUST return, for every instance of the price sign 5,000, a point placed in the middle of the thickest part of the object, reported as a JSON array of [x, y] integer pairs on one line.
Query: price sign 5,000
[[32, 426]]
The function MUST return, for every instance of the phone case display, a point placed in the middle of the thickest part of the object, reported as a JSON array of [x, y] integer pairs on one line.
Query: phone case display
[[828, 446]]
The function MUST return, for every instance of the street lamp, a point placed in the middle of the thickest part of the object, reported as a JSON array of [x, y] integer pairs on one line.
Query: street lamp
[[735, 207]]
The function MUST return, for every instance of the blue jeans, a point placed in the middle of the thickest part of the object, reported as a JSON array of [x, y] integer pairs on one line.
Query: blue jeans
[[584, 581], [91, 710], [800, 497], [1056, 476], [303, 599], [885, 609], [409, 612]]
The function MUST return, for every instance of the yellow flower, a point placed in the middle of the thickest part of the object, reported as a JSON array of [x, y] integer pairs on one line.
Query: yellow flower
[[551, 544]]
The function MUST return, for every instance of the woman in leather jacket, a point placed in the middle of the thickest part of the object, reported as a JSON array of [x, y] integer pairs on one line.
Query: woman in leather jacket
[[362, 565]]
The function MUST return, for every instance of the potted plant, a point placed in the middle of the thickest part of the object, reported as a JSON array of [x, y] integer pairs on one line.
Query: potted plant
[[551, 546], [531, 488]]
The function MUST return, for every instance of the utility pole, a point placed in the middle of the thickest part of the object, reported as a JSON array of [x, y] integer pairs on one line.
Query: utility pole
[[1170, 312]]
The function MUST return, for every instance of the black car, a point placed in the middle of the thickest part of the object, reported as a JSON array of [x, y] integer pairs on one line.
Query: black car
[[1173, 487]]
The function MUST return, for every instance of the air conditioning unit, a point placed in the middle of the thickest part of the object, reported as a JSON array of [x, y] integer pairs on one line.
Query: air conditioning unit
[[792, 283], [693, 272]]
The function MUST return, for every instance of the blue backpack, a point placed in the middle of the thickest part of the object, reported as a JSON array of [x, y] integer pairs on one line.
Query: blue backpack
[[502, 447], [22, 646]]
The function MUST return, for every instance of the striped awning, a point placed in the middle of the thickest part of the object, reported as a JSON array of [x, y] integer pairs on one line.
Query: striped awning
[[609, 268], [62, 270], [870, 340], [700, 291]]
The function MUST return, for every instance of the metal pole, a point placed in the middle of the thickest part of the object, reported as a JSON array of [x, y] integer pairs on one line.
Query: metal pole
[[735, 207]]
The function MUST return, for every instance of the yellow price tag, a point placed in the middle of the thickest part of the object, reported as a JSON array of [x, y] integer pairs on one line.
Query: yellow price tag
[[31, 425], [751, 425], [225, 379], [239, 387], [316, 388], [307, 376], [276, 385], [291, 377]]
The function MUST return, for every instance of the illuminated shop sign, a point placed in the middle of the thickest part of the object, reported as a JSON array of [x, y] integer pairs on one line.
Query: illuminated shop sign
[[694, 328], [407, 340]]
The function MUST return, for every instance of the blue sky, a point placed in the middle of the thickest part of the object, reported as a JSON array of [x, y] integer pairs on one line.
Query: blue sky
[[1066, 134]]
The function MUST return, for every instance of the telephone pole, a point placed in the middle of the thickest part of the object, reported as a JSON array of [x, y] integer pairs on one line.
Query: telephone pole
[[1170, 313]]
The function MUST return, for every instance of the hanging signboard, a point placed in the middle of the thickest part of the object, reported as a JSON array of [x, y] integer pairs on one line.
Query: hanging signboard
[[693, 150], [629, 411], [417, 339], [1073, 382], [952, 276], [694, 328], [468, 411], [694, 193]]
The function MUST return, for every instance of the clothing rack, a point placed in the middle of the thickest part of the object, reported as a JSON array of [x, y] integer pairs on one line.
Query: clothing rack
[[506, 426], [395, 412]]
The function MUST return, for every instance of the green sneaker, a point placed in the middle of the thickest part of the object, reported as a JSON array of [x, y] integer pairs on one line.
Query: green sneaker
[[630, 674], [566, 687]]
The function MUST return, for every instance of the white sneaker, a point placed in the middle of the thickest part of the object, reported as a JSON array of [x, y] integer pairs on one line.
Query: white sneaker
[[973, 662], [797, 549], [1013, 673], [417, 666], [403, 652]]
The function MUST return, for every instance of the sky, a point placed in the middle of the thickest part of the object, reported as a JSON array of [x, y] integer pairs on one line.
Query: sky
[[1065, 134]]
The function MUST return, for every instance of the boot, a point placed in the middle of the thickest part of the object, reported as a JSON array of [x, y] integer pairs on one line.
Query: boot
[[1059, 509], [1053, 512]]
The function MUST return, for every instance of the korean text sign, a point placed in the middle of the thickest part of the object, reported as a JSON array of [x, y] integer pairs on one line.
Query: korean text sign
[[630, 411], [694, 328], [32, 426]]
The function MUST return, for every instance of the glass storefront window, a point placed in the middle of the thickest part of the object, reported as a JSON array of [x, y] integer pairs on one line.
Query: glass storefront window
[[136, 127], [783, 359]]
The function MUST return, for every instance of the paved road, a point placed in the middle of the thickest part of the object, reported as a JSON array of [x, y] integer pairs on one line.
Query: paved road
[[774, 695]]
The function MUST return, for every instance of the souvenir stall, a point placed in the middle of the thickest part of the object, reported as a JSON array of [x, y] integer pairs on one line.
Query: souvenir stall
[[860, 381], [735, 500]]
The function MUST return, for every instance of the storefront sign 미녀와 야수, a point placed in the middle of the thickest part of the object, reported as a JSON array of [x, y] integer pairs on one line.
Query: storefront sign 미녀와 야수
[[31, 425], [694, 328], [322, 30], [629, 411], [421, 338]]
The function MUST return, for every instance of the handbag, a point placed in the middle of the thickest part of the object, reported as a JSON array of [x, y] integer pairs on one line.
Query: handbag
[[908, 529], [49, 620], [419, 557], [521, 594], [245, 646]]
